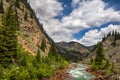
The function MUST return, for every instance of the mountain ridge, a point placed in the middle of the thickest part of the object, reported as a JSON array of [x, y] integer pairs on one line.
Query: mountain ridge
[[73, 51], [110, 62]]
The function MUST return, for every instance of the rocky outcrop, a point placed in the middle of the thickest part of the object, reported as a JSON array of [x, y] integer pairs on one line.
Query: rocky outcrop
[[31, 33], [111, 49]]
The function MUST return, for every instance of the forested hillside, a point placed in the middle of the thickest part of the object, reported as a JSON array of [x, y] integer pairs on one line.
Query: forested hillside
[[73, 51], [105, 59], [26, 51]]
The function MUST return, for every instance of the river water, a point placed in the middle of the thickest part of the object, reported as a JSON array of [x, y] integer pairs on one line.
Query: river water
[[79, 73]]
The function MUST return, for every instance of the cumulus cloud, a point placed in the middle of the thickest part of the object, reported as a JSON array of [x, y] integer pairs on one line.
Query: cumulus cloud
[[46, 9], [92, 37], [85, 14], [93, 12], [73, 24], [74, 3]]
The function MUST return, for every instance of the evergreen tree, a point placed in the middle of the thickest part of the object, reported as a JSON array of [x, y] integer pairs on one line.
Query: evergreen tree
[[8, 0], [99, 61], [1, 7], [114, 42], [38, 57], [8, 45], [43, 45], [17, 4], [99, 54], [53, 48]]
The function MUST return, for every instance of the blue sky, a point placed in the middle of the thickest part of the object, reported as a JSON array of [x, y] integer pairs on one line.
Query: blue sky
[[113, 3], [68, 9], [83, 21]]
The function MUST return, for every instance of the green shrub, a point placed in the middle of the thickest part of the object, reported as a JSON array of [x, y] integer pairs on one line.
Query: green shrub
[[109, 69], [34, 68], [43, 45], [22, 65]]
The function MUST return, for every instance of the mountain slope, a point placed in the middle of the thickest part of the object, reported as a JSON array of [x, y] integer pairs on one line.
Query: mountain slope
[[111, 52], [72, 50], [26, 51], [31, 34]]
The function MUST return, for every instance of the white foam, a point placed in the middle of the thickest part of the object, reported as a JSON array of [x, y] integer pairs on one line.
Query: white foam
[[80, 72]]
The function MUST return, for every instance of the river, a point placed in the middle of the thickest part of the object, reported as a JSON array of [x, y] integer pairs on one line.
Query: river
[[79, 73]]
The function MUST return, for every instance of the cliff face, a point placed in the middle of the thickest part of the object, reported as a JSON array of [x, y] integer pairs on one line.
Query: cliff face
[[111, 52], [31, 34], [111, 47]]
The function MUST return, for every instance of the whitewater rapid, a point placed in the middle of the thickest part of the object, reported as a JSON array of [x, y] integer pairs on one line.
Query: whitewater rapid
[[79, 73]]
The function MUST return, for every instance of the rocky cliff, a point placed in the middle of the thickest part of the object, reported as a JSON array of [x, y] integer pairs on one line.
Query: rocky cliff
[[26, 51], [111, 52], [31, 33]]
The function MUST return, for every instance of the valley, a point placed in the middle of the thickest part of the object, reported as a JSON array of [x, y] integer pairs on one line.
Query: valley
[[27, 52]]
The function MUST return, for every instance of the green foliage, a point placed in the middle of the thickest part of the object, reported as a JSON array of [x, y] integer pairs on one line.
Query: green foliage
[[38, 57], [17, 3], [8, 37], [32, 68], [43, 45], [53, 48], [99, 62], [97, 66], [109, 68], [99, 53], [117, 36], [18, 73], [8, 0], [1, 7], [15, 62], [1, 71]]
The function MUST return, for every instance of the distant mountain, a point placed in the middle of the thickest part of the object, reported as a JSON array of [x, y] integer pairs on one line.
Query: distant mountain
[[73, 51]]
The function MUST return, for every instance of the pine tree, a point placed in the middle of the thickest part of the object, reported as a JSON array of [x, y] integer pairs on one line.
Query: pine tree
[[43, 45], [1, 7], [8, 41], [17, 4], [38, 57], [53, 48], [99, 55]]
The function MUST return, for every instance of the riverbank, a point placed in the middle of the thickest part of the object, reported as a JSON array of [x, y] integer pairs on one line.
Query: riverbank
[[102, 75], [80, 73], [99, 75], [62, 73]]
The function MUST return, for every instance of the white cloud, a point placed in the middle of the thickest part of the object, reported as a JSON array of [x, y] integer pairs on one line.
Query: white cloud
[[73, 24], [93, 12], [87, 14], [94, 36], [46, 9], [74, 3]]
